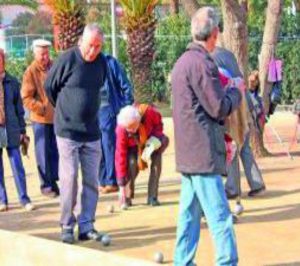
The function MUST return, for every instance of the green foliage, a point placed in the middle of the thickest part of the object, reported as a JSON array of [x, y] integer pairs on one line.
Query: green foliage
[[40, 24], [17, 67], [29, 3], [172, 37], [20, 23]]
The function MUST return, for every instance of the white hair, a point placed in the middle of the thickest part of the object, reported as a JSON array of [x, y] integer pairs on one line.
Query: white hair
[[127, 115], [203, 23], [92, 27]]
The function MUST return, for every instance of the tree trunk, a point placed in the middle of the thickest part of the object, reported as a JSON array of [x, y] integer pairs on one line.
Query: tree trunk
[[190, 6], [297, 5], [174, 7], [271, 30], [235, 33], [272, 26], [235, 39]]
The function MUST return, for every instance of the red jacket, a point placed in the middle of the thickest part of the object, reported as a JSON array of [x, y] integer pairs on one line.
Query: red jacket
[[152, 121]]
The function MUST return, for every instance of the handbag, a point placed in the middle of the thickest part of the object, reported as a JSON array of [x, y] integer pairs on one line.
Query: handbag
[[276, 93], [3, 137], [275, 70]]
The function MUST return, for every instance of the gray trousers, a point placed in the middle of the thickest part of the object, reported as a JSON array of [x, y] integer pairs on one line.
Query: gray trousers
[[155, 169], [252, 172], [88, 155]]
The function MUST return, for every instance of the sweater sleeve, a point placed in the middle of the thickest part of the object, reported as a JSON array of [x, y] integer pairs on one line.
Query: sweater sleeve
[[19, 108], [123, 82], [57, 77], [121, 156]]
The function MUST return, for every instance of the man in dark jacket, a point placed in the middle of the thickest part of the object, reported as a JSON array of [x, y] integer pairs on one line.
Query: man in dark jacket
[[12, 131], [226, 59], [73, 87], [115, 94], [199, 104]]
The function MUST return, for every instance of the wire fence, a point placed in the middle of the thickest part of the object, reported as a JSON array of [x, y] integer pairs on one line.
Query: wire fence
[[17, 45]]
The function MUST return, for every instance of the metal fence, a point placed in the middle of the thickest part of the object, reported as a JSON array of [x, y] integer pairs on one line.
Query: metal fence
[[17, 45]]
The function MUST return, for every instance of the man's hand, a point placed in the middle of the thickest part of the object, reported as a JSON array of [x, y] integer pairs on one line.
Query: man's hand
[[240, 84], [22, 137]]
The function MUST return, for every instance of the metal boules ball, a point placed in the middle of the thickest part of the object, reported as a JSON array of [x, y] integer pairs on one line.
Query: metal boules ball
[[124, 207], [106, 240], [238, 209], [158, 257]]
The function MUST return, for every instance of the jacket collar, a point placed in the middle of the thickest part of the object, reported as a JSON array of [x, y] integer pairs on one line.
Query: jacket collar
[[197, 47], [39, 67]]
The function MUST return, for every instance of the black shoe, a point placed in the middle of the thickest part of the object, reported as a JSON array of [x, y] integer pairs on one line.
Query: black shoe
[[256, 192], [48, 192], [91, 235], [67, 236], [129, 202], [231, 196], [153, 202]]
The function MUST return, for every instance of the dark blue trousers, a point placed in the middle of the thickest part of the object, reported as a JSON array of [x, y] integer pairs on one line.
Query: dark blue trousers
[[16, 164], [46, 155], [107, 121]]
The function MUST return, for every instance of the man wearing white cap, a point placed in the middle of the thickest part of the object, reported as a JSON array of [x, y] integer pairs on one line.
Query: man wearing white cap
[[41, 114]]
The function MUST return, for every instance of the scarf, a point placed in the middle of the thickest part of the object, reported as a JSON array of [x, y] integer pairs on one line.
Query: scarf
[[142, 137]]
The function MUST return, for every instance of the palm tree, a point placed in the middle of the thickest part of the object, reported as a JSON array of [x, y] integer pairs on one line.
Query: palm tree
[[68, 18], [139, 23], [68, 21]]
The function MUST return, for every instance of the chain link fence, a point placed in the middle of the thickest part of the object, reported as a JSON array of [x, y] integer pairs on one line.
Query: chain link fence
[[16, 46]]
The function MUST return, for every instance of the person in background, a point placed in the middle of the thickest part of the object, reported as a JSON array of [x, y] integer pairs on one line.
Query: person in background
[[12, 133], [199, 104], [41, 114], [73, 87], [225, 59], [116, 93], [140, 144]]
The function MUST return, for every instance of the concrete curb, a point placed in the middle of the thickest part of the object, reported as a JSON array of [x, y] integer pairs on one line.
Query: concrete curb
[[19, 249]]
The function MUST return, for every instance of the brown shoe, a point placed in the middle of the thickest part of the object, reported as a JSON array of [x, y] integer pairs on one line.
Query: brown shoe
[[101, 189], [3, 207], [110, 189]]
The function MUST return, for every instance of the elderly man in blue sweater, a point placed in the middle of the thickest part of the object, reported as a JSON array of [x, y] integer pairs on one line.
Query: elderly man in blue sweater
[[115, 94]]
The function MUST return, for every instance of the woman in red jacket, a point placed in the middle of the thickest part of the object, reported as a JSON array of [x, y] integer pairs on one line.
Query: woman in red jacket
[[140, 141]]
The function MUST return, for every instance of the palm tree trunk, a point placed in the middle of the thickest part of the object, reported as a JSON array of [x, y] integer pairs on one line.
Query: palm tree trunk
[[190, 6], [174, 7]]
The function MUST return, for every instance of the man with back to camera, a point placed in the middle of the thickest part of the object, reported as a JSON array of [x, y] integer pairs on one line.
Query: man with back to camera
[[199, 105]]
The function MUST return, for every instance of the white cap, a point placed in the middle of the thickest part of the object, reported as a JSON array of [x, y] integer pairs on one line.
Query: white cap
[[40, 43]]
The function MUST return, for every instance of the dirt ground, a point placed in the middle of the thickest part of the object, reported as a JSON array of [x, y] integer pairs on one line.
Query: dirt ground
[[267, 232]]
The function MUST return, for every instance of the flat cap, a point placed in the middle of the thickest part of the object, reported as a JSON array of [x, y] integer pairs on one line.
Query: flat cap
[[41, 43]]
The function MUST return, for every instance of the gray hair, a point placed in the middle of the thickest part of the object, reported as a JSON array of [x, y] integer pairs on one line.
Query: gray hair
[[127, 115], [92, 27], [204, 21]]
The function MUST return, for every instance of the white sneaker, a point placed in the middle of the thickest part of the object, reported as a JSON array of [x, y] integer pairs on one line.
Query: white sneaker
[[29, 207], [124, 206], [3, 207]]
